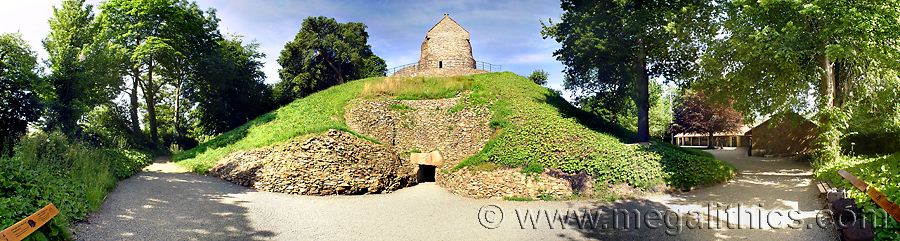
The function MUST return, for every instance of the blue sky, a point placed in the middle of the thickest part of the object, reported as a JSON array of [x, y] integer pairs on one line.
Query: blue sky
[[503, 32]]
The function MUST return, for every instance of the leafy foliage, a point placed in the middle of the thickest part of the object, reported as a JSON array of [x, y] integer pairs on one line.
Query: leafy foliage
[[660, 111], [612, 48], [880, 172], [19, 87], [686, 168], [83, 73], [48, 168], [325, 53], [229, 90], [695, 113], [539, 77], [777, 52], [161, 42]]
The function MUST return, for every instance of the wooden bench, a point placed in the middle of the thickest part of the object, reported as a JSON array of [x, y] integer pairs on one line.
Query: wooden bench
[[828, 192], [824, 188]]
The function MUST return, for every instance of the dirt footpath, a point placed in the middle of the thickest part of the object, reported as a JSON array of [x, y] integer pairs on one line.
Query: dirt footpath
[[166, 203]]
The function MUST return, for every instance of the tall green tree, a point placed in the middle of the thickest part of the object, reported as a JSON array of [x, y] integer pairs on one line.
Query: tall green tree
[[19, 87], [660, 116], [325, 53], [774, 53], [229, 90], [82, 72], [612, 48], [160, 37]]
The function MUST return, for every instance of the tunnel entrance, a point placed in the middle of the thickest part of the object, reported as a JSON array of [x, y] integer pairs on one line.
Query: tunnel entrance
[[425, 173]]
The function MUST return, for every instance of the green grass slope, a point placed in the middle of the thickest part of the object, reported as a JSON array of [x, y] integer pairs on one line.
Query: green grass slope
[[311, 115], [535, 129]]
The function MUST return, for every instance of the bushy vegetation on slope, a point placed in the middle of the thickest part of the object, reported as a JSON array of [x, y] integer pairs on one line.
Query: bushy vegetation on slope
[[880, 172], [48, 168], [535, 128]]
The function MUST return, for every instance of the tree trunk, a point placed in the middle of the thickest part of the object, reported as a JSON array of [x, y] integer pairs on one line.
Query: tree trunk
[[826, 84], [177, 117], [64, 106], [133, 108], [831, 145], [150, 97], [842, 78], [709, 142], [337, 71], [642, 97]]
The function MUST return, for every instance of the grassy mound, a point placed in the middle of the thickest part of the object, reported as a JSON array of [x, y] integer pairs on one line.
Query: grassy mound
[[535, 129], [538, 128], [880, 172], [311, 115]]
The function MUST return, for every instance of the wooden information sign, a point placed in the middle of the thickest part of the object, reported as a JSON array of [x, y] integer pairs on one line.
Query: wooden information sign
[[23, 228], [879, 198]]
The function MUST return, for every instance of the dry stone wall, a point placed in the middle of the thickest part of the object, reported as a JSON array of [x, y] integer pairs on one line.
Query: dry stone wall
[[335, 162], [427, 125]]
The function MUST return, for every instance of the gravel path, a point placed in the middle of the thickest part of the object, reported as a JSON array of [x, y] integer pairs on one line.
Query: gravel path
[[166, 203]]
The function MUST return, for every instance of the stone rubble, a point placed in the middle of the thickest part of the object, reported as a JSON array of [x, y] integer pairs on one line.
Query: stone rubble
[[335, 162]]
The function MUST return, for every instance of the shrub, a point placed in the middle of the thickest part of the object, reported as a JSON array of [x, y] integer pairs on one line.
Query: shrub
[[876, 143], [880, 172], [685, 170], [48, 168], [539, 77]]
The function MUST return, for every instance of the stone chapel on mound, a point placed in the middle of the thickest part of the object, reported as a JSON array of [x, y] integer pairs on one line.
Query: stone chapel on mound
[[446, 51]]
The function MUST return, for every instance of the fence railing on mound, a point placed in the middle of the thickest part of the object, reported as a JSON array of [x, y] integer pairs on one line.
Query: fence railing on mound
[[480, 65]]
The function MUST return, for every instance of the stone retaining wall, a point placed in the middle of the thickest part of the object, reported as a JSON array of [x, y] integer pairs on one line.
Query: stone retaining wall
[[334, 162]]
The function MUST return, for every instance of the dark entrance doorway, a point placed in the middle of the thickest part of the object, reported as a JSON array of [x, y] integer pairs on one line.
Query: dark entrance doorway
[[425, 174]]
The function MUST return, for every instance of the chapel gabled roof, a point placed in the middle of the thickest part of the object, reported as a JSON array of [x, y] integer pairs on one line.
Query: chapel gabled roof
[[447, 20]]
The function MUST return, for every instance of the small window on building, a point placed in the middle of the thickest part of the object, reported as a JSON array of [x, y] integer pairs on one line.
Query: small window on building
[[440, 64]]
